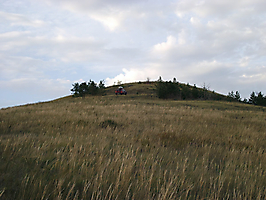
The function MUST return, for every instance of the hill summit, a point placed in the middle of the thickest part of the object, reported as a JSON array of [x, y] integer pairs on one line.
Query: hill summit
[[166, 90]]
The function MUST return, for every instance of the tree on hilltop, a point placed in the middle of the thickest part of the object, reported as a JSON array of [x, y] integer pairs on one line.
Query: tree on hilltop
[[75, 89], [83, 89], [235, 96], [257, 99]]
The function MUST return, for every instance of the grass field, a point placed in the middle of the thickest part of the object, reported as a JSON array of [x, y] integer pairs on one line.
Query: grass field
[[133, 147]]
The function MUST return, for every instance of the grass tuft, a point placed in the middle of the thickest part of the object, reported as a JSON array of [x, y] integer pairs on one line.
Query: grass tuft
[[108, 123]]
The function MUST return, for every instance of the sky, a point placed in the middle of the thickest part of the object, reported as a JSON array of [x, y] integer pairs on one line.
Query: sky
[[47, 45]]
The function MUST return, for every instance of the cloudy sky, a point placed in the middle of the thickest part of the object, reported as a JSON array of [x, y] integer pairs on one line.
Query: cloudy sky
[[47, 45]]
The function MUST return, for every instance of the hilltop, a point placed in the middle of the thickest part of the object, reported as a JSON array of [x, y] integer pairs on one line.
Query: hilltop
[[134, 89], [164, 90], [133, 146]]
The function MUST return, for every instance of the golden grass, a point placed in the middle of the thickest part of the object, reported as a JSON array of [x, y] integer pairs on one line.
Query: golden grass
[[130, 147]]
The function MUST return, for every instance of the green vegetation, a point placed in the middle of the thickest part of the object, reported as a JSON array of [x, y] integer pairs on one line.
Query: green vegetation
[[257, 99], [133, 147], [235, 96], [177, 91], [83, 89]]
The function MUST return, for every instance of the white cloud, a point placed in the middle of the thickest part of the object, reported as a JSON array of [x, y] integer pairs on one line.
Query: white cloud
[[105, 12], [126, 76], [111, 22], [20, 20], [140, 73], [166, 46]]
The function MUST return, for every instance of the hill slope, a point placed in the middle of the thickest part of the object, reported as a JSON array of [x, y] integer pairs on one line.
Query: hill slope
[[132, 147]]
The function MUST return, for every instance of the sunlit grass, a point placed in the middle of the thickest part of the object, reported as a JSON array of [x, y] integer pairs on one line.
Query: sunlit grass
[[129, 147]]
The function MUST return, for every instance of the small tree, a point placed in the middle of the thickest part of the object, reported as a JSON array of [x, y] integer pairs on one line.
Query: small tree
[[83, 89], [92, 88], [260, 99], [101, 87], [252, 98], [231, 95], [174, 80], [237, 96], [101, 84], [206, 88], [75, 89]]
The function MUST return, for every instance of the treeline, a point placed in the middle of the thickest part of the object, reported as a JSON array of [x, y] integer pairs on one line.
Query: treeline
[[83, 89], [175, 90], [255, 98]]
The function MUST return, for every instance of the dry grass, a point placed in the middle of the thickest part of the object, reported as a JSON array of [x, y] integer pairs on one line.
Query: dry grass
[[130, 147]]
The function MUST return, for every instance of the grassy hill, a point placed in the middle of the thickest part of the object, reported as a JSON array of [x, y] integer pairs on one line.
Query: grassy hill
[[132, 147]]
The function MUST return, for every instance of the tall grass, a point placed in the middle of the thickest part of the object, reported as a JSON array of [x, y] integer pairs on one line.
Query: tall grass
[[132, 148]]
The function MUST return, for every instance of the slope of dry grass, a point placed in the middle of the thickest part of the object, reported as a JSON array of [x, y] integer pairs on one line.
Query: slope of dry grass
[[130, 147]]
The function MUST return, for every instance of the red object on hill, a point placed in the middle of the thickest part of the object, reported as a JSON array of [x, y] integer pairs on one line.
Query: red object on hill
[[121, 91]]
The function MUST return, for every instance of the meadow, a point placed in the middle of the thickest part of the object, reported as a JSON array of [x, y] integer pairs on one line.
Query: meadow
[[132, 147]]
